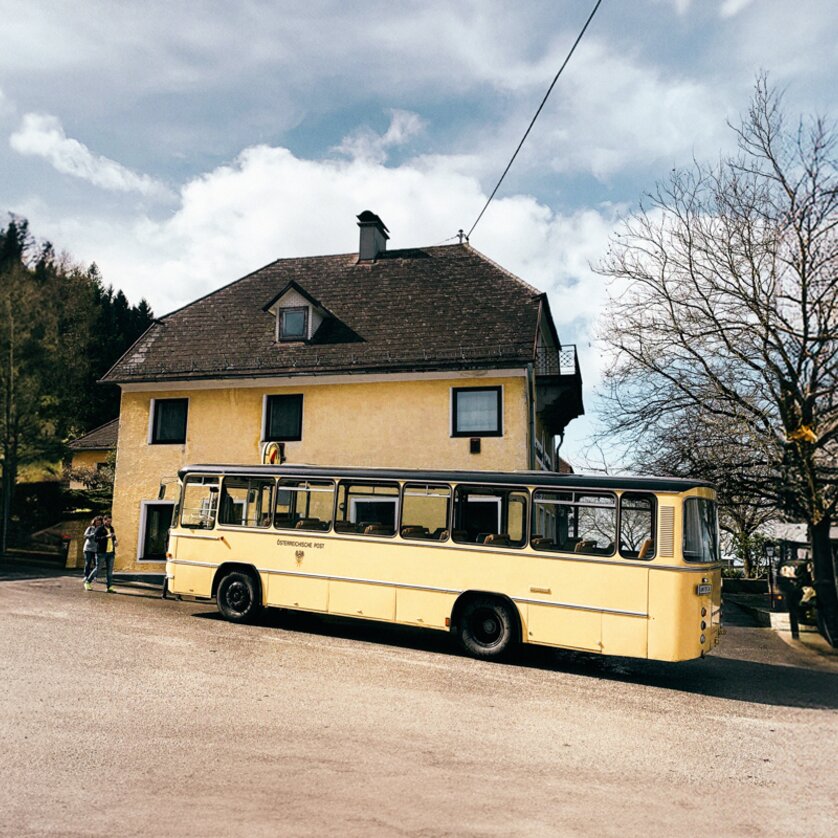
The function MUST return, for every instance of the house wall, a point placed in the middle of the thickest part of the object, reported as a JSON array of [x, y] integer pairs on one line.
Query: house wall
[[392, 423]]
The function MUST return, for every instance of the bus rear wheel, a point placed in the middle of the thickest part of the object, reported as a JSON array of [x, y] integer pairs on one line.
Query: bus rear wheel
[[486, 627], [237, 597]]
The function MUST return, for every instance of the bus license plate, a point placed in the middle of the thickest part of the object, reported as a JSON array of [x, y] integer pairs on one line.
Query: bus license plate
[[703, 590]]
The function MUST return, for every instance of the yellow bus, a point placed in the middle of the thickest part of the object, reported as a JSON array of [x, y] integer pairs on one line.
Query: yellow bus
[[611, 565]]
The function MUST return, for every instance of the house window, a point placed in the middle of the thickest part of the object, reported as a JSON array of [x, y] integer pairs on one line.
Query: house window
[[477, 411], [168, 424], [284, 418], [293, 323]]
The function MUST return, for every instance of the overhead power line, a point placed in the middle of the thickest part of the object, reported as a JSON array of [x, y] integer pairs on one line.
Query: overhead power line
[[527, 132]]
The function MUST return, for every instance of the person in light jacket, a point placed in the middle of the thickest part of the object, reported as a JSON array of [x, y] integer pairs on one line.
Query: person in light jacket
[[90, 552]]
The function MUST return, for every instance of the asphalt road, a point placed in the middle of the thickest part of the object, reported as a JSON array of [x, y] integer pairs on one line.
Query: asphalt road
[[126, 715]]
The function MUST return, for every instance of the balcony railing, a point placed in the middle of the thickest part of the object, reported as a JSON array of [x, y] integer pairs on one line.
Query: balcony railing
[[552, 361]]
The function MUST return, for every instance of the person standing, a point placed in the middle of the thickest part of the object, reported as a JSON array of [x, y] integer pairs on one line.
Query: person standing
[[90, 552], [789, 585], [106, 542]]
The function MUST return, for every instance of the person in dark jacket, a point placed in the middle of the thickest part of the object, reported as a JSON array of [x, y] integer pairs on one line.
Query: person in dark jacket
[[106, 550], [789, 584]]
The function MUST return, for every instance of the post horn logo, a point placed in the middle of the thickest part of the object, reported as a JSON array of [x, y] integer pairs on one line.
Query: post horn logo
[[299, 556], [273, 453]]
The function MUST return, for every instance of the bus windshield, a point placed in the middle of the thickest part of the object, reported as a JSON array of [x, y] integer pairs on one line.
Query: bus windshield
[[701, 534]]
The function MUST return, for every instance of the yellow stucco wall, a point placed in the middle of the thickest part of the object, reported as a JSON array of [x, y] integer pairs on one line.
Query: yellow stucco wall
[[389, 424]]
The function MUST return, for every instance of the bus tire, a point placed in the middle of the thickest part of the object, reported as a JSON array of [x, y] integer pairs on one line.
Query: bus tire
[[237, 597], [487, 627]]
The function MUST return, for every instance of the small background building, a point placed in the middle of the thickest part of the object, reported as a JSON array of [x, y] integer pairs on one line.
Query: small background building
[[91, 451], [415, 358]]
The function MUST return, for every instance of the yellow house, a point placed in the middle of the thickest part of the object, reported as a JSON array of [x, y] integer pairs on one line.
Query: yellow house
[[422, 357], [91, 451]]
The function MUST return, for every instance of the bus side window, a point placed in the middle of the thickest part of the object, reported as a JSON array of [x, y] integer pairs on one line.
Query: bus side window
[[574, 522], [246, 502], [304, 505], [490, 515], [367, 508], [637, 525], [425, 511]]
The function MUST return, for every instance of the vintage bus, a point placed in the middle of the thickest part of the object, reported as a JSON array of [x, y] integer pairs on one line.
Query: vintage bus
[[611, 565]]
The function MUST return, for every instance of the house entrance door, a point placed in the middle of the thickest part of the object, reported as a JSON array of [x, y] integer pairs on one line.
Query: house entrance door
[[157, 518]]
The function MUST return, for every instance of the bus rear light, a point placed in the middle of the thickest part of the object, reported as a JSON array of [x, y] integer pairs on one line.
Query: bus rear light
[[447, 622], [703, 638], [169, 556], [703, 612], [703, 625]]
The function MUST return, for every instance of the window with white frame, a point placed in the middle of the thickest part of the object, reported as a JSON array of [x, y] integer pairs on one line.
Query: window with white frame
[[293, 323], [168, 421], [284, 418], [477, 411]]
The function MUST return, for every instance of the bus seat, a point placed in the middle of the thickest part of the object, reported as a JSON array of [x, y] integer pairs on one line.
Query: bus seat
[[460, 535], [346, 526], [497, 539], [415, 531], [312, 524], [378, 529], [441, 534], [646, 549], [542, 541], [584, 546]]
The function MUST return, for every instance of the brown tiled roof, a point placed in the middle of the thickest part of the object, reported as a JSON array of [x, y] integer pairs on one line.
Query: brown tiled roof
[[446, 307], [102, 438]]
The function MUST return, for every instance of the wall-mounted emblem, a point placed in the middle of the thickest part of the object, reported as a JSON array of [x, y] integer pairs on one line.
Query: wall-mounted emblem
[[273, 453]]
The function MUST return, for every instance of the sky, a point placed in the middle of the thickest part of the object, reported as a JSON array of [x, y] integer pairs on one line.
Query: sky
[[182, 145]]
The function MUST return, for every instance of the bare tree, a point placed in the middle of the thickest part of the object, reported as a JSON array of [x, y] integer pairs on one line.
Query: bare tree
[[724, 326]]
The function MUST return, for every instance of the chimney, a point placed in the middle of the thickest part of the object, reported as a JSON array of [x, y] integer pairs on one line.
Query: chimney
[[374, 236]]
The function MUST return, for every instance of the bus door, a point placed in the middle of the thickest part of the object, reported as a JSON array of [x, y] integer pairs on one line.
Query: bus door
[[195, 547]]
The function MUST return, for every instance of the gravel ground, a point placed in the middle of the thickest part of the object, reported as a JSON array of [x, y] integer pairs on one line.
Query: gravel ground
[[125, 715]]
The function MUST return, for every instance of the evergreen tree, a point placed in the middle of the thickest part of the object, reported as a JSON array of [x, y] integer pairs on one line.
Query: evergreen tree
[[61, 330]]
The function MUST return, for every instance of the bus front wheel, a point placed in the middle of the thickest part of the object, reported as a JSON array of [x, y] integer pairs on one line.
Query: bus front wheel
[[487, 627], [237, 597]]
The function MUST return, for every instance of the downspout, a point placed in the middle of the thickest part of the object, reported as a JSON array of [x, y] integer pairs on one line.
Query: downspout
[[531, 415]]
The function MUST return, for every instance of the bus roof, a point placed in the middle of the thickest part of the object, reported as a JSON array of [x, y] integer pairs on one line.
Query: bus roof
[[509, 478]]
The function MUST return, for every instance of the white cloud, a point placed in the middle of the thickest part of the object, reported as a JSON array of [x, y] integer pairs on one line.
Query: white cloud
[[366, 144], [268, 204], [42, 135], [731, 8], [6, 105], [615, 112]]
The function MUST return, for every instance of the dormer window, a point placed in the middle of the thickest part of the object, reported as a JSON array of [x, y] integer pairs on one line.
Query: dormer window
[[293, 323], [297, 314]]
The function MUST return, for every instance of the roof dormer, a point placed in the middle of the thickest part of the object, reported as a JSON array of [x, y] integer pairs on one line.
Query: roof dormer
[[298, 315]]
